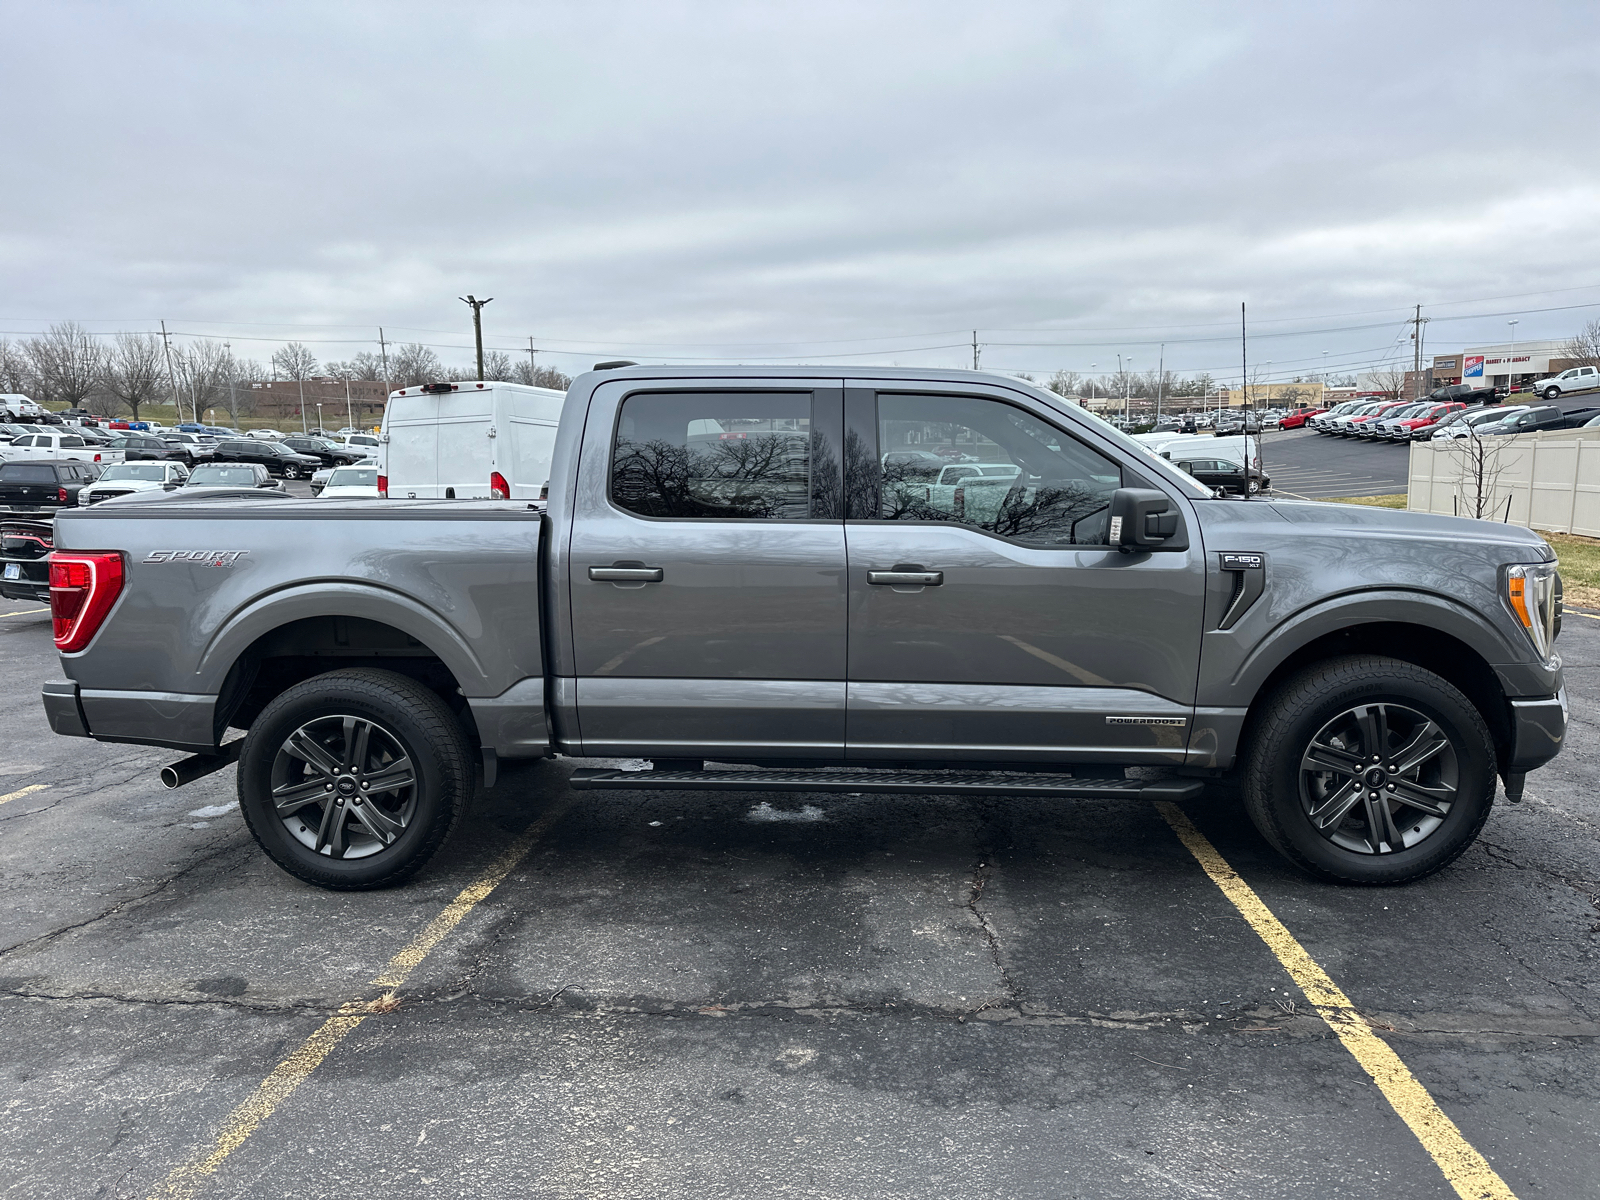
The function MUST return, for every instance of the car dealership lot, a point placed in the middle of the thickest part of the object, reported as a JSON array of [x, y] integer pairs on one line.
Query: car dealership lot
[[1303, 463], [722, 995]]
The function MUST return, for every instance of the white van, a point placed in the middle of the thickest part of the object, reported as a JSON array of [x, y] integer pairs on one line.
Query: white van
[[465, 441], [1242, 448]]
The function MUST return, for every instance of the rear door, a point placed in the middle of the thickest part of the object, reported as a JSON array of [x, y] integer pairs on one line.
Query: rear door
[[410, 455], [464, 451], [707, 570], [999, 625]]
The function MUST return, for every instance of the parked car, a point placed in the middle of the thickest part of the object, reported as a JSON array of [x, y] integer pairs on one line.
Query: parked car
[[232, 476], [466, 440], [351, 483], [1297, 419], [319, 479], [1464, 393], [44, 485], [143, 448], [1226, 475], [59, 445], [1370, 671], [266, 435], [24, 558], [1401, 426], [329, 454], [914, 464], [190, 448], [1461, 424], [1537, 420], [1320, 420], [276, 458], [125, 479], [16, 407], [1576, 379]]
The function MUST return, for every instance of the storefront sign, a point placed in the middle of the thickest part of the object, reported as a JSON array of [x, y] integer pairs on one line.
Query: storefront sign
[[1473, 367]]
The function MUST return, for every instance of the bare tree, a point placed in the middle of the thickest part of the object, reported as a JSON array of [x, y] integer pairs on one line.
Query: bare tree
[[546, 377], [1064, 383], [295, 361], [66, 363], [412, 364], [208, 377], [364, 365], [1584, 349], [16, 375], [1477, 484], [497, 365], [1390, 380], [134, 370]]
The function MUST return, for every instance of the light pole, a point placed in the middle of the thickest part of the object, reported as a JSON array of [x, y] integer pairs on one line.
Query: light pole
[[319, 418], [1511, 358], [1324, 375], [1091, 380]]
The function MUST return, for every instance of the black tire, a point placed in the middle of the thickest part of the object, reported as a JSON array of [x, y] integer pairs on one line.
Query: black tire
[[410, 723], [291, 472], [1552, 393], [1281, 795]]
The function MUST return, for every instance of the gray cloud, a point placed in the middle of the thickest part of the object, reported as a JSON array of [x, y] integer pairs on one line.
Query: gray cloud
[[733, 179]]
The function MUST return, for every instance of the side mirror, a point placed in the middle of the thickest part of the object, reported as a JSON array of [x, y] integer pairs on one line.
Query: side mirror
[[1143, 519]]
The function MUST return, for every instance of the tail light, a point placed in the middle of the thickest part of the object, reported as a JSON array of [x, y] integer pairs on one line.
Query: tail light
[[383, 486], [499, 489], [97, 458], [83, 587], [61, 495]]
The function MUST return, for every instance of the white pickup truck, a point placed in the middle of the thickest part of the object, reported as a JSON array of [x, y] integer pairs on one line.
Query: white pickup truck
[[59, 445], [1576, 379]]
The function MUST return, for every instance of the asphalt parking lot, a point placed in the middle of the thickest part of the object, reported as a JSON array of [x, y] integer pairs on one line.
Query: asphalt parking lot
[[1304, 464], [733, 995]]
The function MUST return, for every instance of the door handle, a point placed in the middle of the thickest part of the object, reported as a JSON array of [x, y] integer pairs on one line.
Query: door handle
[[625, 574], [915, 578]]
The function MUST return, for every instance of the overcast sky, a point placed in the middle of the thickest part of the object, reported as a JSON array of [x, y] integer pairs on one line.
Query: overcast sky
[[849, 182]]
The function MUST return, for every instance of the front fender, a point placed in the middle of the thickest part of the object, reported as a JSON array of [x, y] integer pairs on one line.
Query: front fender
[[339, 598], [1232, 674]]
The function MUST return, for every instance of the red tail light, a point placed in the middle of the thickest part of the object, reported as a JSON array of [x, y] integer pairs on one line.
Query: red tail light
[[383, 486], [61, 495], [499, 489], [83, 587], [97, 458]]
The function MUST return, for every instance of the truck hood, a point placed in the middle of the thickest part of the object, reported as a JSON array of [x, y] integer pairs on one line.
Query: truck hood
[[1519, 544]]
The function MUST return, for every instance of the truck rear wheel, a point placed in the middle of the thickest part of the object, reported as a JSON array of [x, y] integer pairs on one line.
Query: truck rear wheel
[[1369, 770], [354, 779]]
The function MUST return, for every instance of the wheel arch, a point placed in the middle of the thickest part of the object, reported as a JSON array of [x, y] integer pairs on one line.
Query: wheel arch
[[281, 639], [1459, 648]]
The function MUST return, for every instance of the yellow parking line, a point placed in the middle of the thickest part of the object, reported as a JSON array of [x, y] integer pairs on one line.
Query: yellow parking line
[[186, 1181], [1464, 1168], [27, 791], [27, 612], [1591, 616]]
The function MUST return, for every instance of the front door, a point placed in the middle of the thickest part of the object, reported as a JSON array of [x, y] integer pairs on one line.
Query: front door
[[707, 572], [989, 618]]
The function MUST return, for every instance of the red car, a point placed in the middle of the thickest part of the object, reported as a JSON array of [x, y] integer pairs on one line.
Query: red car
[[1299, 417], [1402, 429]]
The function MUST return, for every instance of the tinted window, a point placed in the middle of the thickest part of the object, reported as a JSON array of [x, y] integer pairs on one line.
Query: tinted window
[[717, 454], [72, 442], [231, 476], [24, 473], [1055, 491]]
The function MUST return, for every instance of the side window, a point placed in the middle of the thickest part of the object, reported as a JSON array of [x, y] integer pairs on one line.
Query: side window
[[1047, 489], [715, 454]]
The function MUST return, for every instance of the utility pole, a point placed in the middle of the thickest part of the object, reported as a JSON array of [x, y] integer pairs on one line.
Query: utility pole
[[172, 380], [533, 367], [1511, 359], [349, 419], [477, 324], [1244, 365], [1161, 380], [383, 350], [1417, 322], [974, 349]]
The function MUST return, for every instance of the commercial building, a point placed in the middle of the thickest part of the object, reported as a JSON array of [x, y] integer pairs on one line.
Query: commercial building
[[280, 398]]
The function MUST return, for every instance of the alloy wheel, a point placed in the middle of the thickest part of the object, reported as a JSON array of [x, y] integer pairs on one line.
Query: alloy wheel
[[344, 786], [1379, 778]]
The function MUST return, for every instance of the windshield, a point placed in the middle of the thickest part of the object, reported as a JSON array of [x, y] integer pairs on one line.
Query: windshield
[[354, 477], [225, 476], [136, 471]]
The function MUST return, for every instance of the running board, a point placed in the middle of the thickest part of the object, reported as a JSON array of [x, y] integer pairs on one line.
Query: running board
[[941, 783]]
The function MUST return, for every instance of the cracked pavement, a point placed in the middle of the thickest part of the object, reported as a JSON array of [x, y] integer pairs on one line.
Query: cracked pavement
[[800, 996]]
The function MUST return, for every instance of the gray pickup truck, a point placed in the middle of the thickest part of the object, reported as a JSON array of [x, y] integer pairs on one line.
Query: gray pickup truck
[[755, 579]]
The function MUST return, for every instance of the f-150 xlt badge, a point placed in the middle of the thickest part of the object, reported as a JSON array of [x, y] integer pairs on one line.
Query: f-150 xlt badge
[[197, 558]]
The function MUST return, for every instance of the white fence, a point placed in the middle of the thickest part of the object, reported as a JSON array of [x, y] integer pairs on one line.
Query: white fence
[[1540, 480]]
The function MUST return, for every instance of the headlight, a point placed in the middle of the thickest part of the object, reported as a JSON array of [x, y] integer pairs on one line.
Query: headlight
[[1534, 593]]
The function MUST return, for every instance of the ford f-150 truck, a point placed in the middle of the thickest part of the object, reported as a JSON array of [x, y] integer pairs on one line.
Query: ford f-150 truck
[[737, 578]]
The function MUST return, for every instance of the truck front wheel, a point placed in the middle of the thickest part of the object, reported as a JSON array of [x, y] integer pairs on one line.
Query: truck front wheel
[[1369, 770], [1552, 393], [354, 779]]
